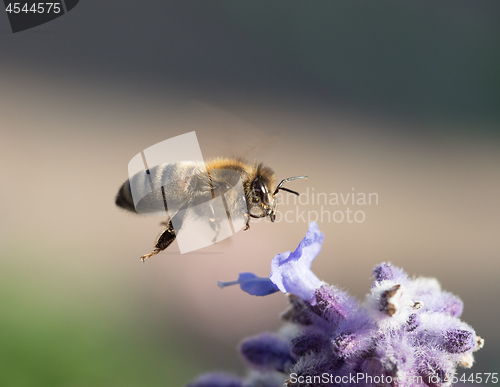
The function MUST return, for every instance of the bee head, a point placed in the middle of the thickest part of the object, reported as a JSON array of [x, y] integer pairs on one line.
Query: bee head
[[264, 202]]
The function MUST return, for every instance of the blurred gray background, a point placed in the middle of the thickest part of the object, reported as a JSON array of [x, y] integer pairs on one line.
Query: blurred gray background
[[400, 99]]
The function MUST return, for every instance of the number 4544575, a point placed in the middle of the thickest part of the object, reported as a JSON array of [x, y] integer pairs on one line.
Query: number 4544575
[[35, 8]]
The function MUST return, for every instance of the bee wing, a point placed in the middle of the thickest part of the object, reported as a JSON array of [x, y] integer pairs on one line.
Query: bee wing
[[244, 146], [263, 147], [226, 134]]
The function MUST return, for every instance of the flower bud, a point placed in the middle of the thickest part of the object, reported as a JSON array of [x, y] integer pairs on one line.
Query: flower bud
[[310, 342], [266, 351]]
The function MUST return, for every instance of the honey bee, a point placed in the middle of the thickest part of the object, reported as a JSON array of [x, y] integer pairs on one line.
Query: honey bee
[[187, 185]]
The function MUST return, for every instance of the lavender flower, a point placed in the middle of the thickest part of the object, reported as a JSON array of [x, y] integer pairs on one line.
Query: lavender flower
[[250, 283], [406, 332], [290, 271]]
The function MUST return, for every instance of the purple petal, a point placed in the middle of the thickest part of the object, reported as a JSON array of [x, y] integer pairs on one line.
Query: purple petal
[[333, 304], [459, 340], [386, 271], [291, 271], [444, 302], [412, 323], [250, 283], [382, 272]]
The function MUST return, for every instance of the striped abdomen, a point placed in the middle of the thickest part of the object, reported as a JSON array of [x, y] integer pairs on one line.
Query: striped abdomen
[[143, 192]]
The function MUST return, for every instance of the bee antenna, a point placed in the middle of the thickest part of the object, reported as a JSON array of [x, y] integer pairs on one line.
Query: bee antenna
[[279, 187], [289, 190]]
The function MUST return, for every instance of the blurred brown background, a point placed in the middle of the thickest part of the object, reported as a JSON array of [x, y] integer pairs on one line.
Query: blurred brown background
[[395, 99]]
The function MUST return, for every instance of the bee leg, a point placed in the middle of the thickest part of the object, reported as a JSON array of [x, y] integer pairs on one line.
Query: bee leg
[[214, 223], [167, 236], [164, 240], [247, 224]]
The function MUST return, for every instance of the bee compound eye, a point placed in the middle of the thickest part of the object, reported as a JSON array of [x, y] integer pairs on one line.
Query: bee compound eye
[[259, 190]]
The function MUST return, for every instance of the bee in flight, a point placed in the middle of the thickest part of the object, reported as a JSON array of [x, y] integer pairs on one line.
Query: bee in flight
[[187, 185]]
